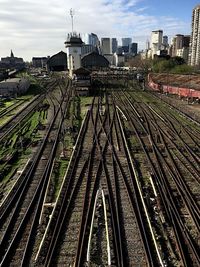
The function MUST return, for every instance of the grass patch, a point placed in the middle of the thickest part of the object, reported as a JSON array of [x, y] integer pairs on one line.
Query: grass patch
[[58, 175], [4, 120], [133, 140], [86, 101], [20, 141]]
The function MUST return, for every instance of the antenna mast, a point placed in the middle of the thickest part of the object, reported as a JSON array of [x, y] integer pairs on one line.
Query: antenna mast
[[72, 17]]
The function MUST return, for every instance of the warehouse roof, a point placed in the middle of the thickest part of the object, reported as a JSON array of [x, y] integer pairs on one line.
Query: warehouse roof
[[12, 80]]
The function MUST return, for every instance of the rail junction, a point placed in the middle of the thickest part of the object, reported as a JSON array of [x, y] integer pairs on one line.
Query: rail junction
[[128, 194]]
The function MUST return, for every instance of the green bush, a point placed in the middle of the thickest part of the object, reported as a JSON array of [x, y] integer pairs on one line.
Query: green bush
[[174, 65]]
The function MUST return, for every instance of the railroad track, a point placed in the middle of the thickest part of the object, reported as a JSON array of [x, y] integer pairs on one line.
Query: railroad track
[[7, 110], [80, 231], [18, 118], [106, 213], [168, 102], [16, 121], [20, 211], [180, 204]]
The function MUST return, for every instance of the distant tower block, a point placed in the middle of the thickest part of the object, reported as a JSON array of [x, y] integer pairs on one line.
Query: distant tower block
[[73, 45]]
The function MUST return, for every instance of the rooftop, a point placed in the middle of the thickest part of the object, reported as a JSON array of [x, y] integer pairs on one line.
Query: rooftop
[[11, 80], [73, 39]]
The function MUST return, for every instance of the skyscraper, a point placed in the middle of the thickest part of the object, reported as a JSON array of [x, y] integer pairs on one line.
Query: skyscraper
[[134, 48], [126, 41], [165, 41], [147, 44], [177, 43], [106, 47], [180, 46], [114, 45], [90, 39], [194, 54], [156, 41]]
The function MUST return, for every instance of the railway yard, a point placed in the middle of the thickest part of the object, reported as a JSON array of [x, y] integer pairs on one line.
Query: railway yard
[[111, 179]]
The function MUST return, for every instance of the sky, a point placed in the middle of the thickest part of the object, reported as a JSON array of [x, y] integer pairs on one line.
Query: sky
[[34, 28]]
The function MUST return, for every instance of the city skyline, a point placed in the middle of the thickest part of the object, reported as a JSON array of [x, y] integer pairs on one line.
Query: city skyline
[[33, 28]]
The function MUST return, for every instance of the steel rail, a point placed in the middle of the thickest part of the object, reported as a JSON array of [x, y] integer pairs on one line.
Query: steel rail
[[175, 174], [160, 187], [11, 108], [47, 177], [82, 238], [69, 194], [25, 110], [43, 179], [190, 242], [71, 165]]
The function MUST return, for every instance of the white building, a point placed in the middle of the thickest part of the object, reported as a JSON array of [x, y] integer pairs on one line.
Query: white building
[[73, 45], [14, 86], [110, 59], [194, 54], [183, 52], [156, 41], [118, 59]]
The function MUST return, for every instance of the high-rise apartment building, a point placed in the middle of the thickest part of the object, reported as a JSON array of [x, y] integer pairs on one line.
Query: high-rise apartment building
[[114, 45], [90, 39], [134, 48], [147, 44], [194, 53], [177, 43], [156, 41], [106, 46], [186, 41], [165, 41], [180, 46]]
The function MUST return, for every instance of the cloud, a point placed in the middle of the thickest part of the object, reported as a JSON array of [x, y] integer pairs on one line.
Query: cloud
[[39, 28]]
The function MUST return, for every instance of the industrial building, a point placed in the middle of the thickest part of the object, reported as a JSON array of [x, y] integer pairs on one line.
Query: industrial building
[[57, 62], [14, 87], [82, 81], [39, 62], [94, 61]]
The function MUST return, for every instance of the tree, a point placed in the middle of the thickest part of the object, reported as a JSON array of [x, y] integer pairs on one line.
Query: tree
[[140, 63]]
